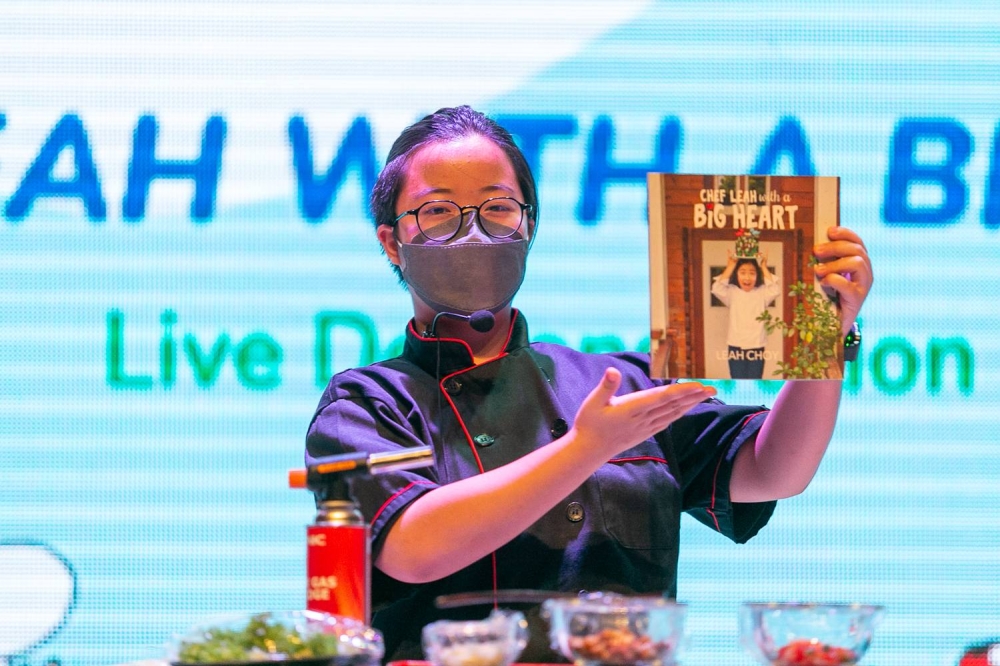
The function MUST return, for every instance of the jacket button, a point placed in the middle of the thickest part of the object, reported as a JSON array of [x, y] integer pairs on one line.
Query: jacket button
[[559, 428], [574, 512], [483, 440], [453, 386]]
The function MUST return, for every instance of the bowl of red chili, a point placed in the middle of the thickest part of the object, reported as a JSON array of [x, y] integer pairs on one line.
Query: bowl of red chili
[[808, 634]]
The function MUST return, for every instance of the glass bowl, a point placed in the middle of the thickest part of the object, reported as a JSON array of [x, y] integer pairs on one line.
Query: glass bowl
[[303, 638], [612, 629], [808, 634], [495, 641]]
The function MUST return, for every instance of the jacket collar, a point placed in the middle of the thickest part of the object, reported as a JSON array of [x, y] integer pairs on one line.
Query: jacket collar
[[455, 354]]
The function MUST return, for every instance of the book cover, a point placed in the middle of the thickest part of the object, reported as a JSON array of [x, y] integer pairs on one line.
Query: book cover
[[732, 289]]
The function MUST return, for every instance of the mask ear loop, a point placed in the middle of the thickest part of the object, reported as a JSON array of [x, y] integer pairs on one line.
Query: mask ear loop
[[399, 245], [531, 225]]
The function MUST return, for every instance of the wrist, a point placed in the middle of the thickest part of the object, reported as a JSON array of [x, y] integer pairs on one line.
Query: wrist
[[588, 450]]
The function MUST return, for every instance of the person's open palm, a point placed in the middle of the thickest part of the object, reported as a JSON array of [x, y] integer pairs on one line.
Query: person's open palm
[[618, 423]]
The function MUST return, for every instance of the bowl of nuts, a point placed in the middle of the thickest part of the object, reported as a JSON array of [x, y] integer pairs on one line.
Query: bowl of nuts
[[606, 629], [808, 634]]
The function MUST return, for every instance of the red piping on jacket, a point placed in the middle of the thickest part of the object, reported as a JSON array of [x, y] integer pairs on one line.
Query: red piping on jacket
[[638, 458], [715, 477], [458, 416], [458, 340], [397, 494]]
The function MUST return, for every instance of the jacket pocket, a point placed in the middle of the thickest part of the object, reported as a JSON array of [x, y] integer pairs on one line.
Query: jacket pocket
[[640, 500]]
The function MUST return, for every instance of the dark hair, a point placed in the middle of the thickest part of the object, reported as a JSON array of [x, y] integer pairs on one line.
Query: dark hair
[[445, 124], [734, 280]]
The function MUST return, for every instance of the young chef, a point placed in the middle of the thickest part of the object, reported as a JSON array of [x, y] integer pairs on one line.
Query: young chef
[[555, 470]]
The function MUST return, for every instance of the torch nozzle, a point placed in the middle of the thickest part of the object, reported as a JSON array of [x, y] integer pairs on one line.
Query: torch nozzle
[[333, 469], [297, 478]]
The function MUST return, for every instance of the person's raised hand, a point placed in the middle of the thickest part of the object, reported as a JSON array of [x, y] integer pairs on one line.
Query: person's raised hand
[[617, 423], [846, 268]]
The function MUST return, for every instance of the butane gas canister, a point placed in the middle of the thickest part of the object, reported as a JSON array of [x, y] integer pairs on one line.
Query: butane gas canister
[[337, 561]]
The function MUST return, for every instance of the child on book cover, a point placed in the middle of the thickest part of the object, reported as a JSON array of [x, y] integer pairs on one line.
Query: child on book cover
[[747, 288]]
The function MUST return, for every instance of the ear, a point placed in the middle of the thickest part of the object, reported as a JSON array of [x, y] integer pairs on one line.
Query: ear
[[531, 231], [388, 240]]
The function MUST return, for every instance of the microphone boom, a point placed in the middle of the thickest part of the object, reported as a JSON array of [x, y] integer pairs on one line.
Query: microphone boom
[[481, 321]]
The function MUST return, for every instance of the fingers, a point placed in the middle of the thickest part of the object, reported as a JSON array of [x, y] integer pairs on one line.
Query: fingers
[[652, 403], [852, 294], [844, 234], [825, 252], [849, 276], [602, 393], [847, 255], [662, 416], [611, 381], [856, 267], [843, 241], [839, 283], [615, 423], [680, 400], [655, 416], [641, 404], [853, 291]]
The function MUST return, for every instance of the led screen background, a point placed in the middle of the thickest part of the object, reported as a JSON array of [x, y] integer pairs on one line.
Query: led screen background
[[163, 341]]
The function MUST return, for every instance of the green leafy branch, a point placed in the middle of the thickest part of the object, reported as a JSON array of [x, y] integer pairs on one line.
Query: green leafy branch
[[816, 327]]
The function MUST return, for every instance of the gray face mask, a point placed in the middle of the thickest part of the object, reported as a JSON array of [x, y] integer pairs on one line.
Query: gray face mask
[[465, 277]]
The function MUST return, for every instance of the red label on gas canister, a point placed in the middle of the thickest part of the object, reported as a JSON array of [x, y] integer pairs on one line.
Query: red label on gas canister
[[337, 567]]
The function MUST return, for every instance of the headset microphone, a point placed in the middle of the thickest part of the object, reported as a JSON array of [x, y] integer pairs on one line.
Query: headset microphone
[[481, 321]]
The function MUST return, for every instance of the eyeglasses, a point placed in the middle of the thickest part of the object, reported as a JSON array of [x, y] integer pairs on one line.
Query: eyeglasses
[[498, 217]]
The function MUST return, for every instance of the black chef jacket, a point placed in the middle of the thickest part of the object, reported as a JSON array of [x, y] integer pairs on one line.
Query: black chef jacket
[[618, 531]]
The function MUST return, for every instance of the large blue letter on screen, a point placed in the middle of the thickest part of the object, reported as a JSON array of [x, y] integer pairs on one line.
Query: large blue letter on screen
[[145, 167], [991, 209], [38, 181], [905, 171], [316, 194], [600, 169], [787, 139], [531, 132]]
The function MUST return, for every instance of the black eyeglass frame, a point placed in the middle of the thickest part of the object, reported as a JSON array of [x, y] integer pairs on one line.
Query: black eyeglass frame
[[525, 208]]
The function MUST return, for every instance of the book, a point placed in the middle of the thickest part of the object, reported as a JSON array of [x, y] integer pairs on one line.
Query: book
[[733, 293]]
